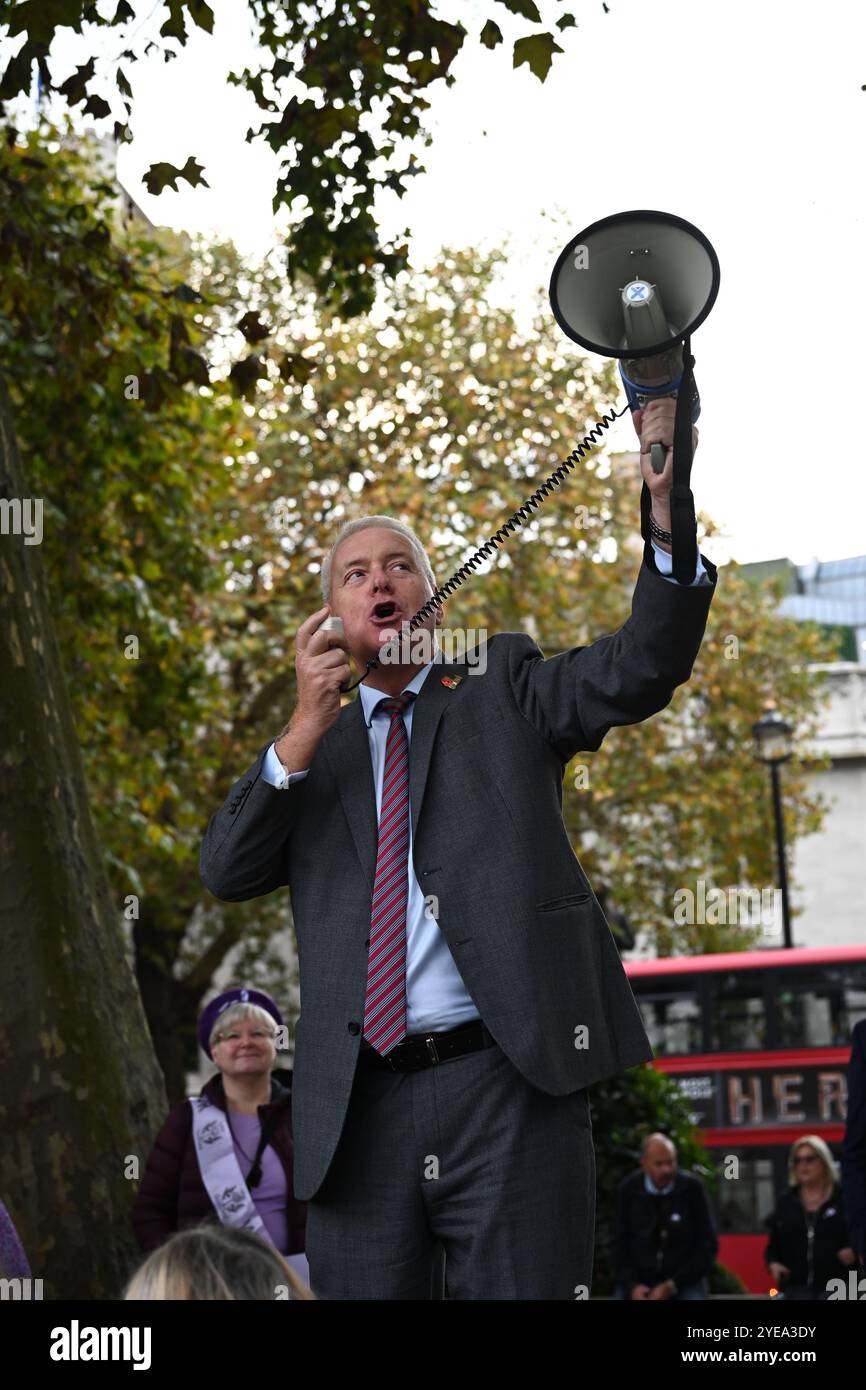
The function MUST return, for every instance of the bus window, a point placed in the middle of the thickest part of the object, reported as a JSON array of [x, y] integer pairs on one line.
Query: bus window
[[818, 1007], [743, 1203], [738, 1014], [672, 1020]]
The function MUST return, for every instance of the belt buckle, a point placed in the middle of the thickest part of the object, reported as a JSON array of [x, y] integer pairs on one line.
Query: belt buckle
[[431, 1048]]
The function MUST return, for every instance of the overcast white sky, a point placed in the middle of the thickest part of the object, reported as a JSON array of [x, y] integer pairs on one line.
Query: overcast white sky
[[745, 118]]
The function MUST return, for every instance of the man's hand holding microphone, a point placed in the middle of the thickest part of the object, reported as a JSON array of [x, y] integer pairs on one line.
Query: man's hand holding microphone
[[322, 666]]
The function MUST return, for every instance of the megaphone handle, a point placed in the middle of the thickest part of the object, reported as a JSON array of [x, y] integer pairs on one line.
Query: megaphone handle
[[657, 457]]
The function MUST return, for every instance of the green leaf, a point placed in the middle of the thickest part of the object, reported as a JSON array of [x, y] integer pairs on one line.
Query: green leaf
[[294, 367], [40, 18], [491, 34], [18, 72], [245, 374], [174, 27], [252, 328], [537, 52], [527, 9], [186, 294], [191, 366], [201, 14], [74, 89], [160, 176], [568, 21], [96, 106]]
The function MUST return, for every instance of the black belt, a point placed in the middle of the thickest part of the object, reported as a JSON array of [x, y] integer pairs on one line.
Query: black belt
[[421, 1050]]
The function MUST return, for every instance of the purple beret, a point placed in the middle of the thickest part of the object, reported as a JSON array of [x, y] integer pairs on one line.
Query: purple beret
[[217, 1006]]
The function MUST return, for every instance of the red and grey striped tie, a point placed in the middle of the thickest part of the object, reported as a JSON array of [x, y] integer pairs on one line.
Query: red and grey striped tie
[[385, 1004]]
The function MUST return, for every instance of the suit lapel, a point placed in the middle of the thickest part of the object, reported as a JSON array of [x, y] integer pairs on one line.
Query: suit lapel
[[348, 751], [430, 705]]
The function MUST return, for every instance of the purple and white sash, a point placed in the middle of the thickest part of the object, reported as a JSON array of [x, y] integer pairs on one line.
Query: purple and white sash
[[220, 1170]]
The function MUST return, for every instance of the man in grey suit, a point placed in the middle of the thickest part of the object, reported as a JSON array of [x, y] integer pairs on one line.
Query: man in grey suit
[[460, 987]]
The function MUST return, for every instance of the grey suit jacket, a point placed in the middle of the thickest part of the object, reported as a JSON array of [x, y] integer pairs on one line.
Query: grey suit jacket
[[486, 767]]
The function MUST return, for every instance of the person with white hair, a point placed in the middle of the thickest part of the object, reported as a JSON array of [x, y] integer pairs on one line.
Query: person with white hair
[[460, 985]]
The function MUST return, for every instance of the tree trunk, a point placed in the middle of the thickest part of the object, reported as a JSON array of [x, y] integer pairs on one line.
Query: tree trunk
[[81, 1094], [172, 1007]]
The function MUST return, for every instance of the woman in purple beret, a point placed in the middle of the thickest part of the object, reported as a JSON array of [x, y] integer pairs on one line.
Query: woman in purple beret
[[227, 1154]]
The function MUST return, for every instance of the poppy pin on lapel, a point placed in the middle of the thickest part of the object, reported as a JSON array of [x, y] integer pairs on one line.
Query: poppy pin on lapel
[[451, 681]]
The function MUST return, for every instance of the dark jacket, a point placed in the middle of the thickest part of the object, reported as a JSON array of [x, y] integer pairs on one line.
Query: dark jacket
[[672, 1236], [172, 1195], [788, 1230], [854, 1148], [488, 757]]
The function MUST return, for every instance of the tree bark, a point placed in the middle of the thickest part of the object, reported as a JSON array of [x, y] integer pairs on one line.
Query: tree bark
[[81, 1094], [172, 1006]]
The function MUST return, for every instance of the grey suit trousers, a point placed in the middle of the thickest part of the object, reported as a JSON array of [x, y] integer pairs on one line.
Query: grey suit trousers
[[466, 1154]]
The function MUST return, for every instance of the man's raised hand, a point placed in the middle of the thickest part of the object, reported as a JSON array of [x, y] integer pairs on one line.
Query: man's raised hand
[[322, 666], [655, 425]]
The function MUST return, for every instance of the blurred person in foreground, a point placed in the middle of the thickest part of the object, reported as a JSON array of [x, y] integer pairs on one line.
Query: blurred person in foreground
[[212, 1263]]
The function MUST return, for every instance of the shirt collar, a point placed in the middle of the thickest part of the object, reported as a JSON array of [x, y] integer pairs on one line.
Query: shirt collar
[[370, 697], [654, 1191]]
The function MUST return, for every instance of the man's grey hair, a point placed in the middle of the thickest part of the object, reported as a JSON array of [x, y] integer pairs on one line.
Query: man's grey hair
[[361, 523]]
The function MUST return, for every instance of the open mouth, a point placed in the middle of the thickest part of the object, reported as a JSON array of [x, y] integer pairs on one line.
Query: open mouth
[[385, 614]]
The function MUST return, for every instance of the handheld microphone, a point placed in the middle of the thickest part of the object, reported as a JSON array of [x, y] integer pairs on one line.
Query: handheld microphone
[[335, 624]]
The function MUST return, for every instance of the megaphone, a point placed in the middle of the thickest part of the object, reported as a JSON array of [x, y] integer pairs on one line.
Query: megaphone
[[635, 287]]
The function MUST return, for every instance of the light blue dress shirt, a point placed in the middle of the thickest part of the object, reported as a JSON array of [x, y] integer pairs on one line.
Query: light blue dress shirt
[[650, 1187], [436, 997]]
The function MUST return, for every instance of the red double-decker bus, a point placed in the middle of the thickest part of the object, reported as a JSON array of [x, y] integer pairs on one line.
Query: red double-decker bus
[[759, 1042]]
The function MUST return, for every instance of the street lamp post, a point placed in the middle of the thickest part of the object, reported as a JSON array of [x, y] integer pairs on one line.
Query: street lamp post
[[773, 746]]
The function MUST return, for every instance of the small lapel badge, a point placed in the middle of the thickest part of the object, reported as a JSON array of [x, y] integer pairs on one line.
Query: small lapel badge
[[451, 681]]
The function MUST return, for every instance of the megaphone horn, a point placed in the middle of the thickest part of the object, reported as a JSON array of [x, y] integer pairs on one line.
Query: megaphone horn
[[635, 287], [634, 277]]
